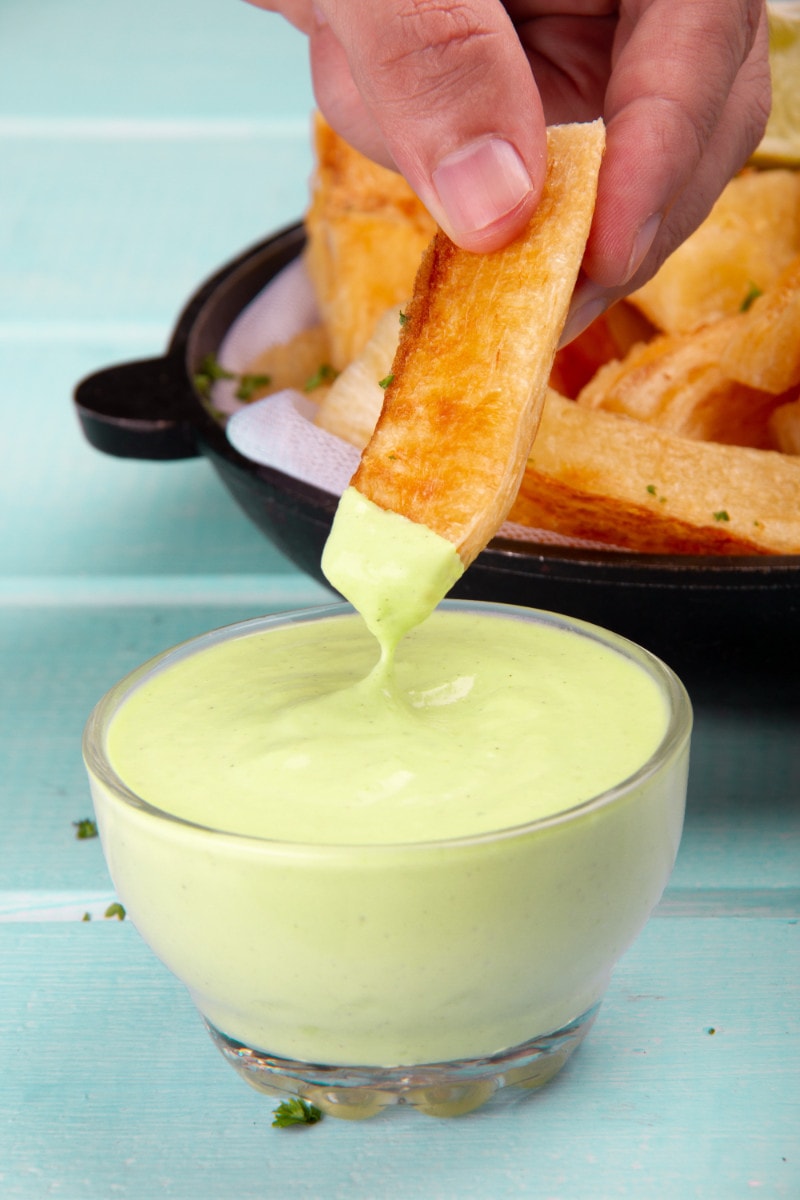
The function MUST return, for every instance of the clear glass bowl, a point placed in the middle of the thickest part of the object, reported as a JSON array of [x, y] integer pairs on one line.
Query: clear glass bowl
[[493, 964]]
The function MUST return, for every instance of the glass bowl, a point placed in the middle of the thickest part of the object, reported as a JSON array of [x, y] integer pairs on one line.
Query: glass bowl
[[426, 973]]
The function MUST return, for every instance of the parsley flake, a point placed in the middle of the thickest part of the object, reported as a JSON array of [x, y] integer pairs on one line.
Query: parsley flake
[[249, 384], [295, 1112], [115, 910], [384, 383], [324, 373], [721, 515], [753, 292], [652, 490], [210, 370], [85, 828], [403, 318], [207, 374]]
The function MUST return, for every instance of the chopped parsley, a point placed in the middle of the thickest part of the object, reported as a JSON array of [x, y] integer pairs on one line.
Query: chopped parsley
[[403, 318], [721, 515], [384, 383], [115, 910], [248, 384], [324, 373], [211, 370], [753, 292], [296, 1112], [652, 490], [85, 828]]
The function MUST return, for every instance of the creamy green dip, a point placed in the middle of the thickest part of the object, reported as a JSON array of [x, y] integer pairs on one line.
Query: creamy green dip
[[339, 932], [337, 888], [485, 723], [393, 571]]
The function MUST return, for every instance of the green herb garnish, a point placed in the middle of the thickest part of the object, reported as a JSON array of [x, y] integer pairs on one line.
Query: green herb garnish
[[325, 373], [115, 910], [652, 490], [295, 1112], [249, 384], [753, 292], [403, 318], [85, 828], [721, 515], [384, 383], [209, 371]]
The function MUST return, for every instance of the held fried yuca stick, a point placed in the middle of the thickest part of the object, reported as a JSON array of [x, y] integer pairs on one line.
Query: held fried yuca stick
[[461, 411]]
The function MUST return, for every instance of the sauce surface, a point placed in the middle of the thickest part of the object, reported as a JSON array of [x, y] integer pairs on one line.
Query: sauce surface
[[483, 722]]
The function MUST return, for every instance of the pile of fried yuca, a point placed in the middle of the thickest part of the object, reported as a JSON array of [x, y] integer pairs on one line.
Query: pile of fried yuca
[[672, 424]]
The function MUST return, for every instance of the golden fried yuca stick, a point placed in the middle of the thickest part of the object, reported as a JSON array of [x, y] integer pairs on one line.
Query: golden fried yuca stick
[[677, 383], [785, 427], [605, 477], [366, 234], [471, 370], [764, 351]]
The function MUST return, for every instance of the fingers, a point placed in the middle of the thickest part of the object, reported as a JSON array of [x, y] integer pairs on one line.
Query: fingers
[[444, 92], [686, 105]]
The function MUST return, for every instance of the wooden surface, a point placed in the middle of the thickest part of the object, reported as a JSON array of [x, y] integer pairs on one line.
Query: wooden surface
[[142, 146]]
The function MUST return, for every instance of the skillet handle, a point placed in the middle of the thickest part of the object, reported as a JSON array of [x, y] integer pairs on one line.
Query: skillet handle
[[138, 409]]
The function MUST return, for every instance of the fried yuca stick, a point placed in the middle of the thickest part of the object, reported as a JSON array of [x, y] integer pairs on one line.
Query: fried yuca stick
[[470, 375], [608, 478]]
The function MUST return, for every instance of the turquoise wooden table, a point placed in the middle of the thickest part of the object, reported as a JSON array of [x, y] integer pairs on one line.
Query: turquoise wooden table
[[142, 146]]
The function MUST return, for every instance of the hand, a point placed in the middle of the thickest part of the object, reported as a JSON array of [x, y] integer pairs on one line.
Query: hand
[[456, 96]]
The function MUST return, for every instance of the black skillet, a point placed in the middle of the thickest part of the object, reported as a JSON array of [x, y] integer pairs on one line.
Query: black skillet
[[718, 620]]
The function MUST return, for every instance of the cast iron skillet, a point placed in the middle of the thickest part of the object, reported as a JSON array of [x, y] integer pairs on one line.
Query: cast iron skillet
[[709, 617]]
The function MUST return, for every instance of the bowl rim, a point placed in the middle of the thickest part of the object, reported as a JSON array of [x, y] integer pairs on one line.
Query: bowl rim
[[673, 743]]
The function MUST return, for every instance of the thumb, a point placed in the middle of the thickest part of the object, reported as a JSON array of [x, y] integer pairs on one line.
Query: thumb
[[445, 93]]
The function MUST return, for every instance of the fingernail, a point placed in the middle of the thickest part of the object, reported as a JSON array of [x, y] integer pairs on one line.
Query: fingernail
[[642, 243], [480, 184], [589, 302]]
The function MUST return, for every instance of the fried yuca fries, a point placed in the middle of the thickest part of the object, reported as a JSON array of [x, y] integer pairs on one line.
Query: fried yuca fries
[[610, 336], [290, 364], [353, 403], [763, 350], [606, 478], [471, 370], [784, 426], [366, 232], [750, 236], [678, 384]]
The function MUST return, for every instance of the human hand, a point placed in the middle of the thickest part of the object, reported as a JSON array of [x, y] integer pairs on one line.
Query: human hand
[[457, 96]]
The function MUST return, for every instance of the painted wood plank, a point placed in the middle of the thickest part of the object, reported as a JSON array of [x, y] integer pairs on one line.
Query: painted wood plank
[[66, 509], [198, 58], [110, 1086], [112, 230]]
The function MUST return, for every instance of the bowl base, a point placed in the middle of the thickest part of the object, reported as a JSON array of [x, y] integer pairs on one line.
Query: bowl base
[[436, 1089]]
